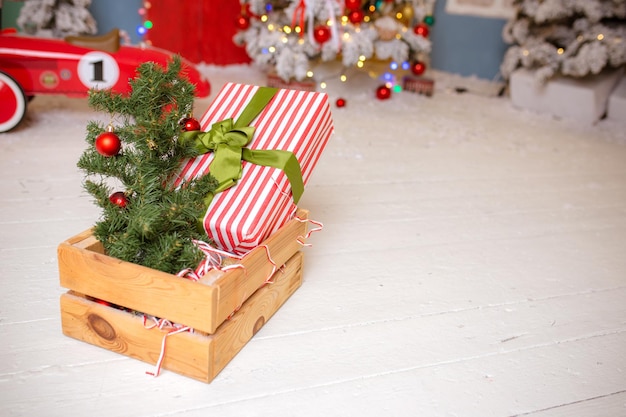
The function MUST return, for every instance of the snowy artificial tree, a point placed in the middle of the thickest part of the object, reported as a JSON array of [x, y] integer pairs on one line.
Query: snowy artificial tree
[[292, 36], [565, 37], [57, 18]]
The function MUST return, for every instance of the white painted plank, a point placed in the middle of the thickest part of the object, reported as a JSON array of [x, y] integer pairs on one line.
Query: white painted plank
[[610, 404]]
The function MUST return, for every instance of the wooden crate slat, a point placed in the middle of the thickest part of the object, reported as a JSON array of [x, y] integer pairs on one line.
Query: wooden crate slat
[[136, 287]]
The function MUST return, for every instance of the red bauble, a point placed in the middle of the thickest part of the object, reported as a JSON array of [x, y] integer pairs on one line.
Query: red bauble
[[353, 4], [104, 303], [356, 16], [119, 199], [321, 33], [418, 68], [190, 124], [242, 22], [383, 92], [108, 144], [340, 102], [421, 29]]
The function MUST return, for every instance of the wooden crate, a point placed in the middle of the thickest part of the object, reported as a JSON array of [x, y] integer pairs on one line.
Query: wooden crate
[[197, 355], [203, 305]]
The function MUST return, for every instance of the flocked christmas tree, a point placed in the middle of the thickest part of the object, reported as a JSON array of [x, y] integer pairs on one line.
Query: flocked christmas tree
[[56, 18], [129, 168], [292, 36], [565, 37]]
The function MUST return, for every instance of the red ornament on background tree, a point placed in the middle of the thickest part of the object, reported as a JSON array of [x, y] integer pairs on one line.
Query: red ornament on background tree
[[421, 29], [108, 143], [340, 102], [189, 124], [119, 199], [356, 16], [383, 92], [321, 33], [242, 22], [418, 68], [353, 4]]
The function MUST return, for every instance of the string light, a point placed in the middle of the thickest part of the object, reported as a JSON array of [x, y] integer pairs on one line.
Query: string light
[[343, 78], [600, 37], [323, 85], [309, 74], [142, 29], [560, 51]]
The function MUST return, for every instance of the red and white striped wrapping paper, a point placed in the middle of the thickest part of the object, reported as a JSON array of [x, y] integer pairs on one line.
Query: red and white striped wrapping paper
[[241, 217]]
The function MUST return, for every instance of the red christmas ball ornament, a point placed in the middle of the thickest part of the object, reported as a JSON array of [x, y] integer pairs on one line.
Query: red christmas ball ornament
[[103, 302], [119, 199], [190, 124], [242, 22], [356, 16], [421, 29], [108, 143], [383, 92], [340, 102], [353, 4], [418, 68], [321, 33]]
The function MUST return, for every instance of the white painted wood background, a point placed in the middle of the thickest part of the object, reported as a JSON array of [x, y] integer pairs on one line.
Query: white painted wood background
[[472, 263]]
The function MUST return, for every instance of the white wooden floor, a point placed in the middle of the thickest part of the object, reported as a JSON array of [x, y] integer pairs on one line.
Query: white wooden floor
[[472, 264]]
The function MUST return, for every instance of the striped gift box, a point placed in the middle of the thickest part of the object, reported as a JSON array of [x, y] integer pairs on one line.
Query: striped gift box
[[241, 217]]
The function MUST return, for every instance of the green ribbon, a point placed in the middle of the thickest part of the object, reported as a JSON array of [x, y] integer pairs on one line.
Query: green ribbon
[[228, 141]]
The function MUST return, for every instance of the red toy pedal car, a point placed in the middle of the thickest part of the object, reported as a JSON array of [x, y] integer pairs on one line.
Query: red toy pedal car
[[31, 66]]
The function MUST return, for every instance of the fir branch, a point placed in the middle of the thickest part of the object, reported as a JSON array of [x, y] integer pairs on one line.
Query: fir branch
[[158, 223]]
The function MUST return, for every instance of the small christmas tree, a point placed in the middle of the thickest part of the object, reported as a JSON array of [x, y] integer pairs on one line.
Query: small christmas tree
[[291, 36], [56, 18], [147, 221], [567, 37]]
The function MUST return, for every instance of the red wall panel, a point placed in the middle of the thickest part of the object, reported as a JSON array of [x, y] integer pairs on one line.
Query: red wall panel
[[199, 30]]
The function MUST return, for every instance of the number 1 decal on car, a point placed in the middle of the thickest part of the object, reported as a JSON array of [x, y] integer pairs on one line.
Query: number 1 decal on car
[[98, 70]]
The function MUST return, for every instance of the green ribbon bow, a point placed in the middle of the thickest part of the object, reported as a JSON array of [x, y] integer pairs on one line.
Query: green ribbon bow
[[228, 141]]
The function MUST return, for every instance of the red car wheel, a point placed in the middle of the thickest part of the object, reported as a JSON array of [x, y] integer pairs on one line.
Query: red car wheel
[[12, 103]]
